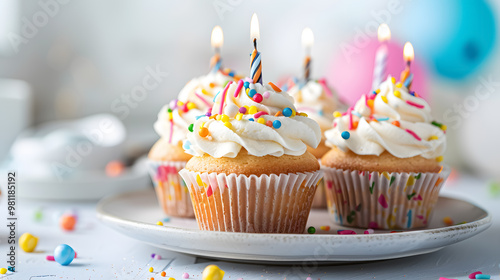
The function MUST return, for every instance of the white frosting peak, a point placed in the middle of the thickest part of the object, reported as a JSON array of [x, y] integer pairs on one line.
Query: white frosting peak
[[225, 137], [377, 131]]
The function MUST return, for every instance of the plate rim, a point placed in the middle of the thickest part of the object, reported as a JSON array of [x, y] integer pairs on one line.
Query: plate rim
[[102, 215]]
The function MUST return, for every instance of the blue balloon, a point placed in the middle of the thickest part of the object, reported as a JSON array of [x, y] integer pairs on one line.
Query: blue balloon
[[455, 36]]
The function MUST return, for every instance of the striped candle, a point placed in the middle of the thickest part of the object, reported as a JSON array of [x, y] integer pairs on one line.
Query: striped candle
[[255, 59], [379, 70]]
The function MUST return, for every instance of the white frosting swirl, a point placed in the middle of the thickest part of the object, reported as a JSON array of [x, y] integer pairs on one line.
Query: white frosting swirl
[[317, 101], [202, 90], [179, 125], [374, 137], [258, 139]]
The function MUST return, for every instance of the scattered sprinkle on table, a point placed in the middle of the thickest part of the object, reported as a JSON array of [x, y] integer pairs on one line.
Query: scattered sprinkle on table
[[311, 230], [473, 274]]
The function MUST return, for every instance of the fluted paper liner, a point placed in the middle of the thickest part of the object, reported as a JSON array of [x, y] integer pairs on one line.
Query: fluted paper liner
[[319, 200], [171, 191], [382, 200], [258, 204]]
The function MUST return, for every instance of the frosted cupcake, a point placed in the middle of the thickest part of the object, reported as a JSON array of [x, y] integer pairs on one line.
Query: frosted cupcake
[[317, 100], [384, 169], [167, 156], [251, 171]]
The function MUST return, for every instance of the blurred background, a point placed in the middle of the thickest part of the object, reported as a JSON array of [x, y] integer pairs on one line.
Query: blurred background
[[69, 59]]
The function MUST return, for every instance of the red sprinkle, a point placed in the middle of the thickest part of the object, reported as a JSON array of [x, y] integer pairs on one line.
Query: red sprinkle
[[473, 274], [322, 81], [258, 114], [347, 232], [350, 118], [414, 134], [50, 258], [238, 88], [258, 98], [414, 104]]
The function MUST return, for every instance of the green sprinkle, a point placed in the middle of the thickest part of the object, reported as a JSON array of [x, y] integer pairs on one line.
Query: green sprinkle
[[371, 188], [311, 230], [411, 195], [190, 127], [392, 180], [418, 176], [494, 189], [437, 124], [169, 110]]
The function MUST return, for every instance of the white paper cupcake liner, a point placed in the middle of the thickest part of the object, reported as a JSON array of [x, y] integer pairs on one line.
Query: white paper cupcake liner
[[319, 200], [171, 191], [257, 204], [382, 200]]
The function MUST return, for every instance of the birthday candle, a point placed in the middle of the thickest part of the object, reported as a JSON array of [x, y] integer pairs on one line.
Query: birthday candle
[[217, 40], [255, 59], [379, 70], [307, 42], [406, 76]]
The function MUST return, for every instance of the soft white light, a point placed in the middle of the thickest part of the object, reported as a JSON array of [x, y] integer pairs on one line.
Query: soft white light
[[307, 38], [254, 28], [408, 52], [217, 39], [384, 33]]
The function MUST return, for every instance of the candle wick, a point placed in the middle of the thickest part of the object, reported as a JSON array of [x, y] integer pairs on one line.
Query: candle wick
[[255, 43]]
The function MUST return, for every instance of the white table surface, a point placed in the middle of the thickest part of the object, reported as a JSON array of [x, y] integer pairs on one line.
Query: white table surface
[[106, 254]]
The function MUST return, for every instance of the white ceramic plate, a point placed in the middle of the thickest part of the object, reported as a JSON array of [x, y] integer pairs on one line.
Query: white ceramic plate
[[92, 185], [135, 214]]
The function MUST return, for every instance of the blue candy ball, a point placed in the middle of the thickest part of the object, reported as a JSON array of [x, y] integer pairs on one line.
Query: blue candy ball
[[252, 92], [287, 112], [276, 124], [345, 135], [64, 254]]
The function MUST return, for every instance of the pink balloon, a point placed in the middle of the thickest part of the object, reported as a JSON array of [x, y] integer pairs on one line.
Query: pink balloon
[[351, 70]]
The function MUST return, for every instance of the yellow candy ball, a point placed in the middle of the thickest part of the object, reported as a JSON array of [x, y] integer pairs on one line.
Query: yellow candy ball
[[252, 110], [261, 120], [239, 116], [224, 118], [228, 125], [444, 127], [28, 242], [218, 117], [3, 270], [191, 105], [384, 99], [151, 269], [393, 80], [398, 85], [180, 103], [397, 93], [433, 137], [337, 114], [212, 272], [159, 223]]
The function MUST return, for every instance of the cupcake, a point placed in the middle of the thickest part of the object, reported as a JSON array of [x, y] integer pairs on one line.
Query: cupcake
[[167, 156], [384, 169], [315, 98], [250, 170]]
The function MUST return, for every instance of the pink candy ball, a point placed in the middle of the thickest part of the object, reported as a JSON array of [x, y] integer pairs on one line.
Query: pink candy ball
[[185, 275]]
